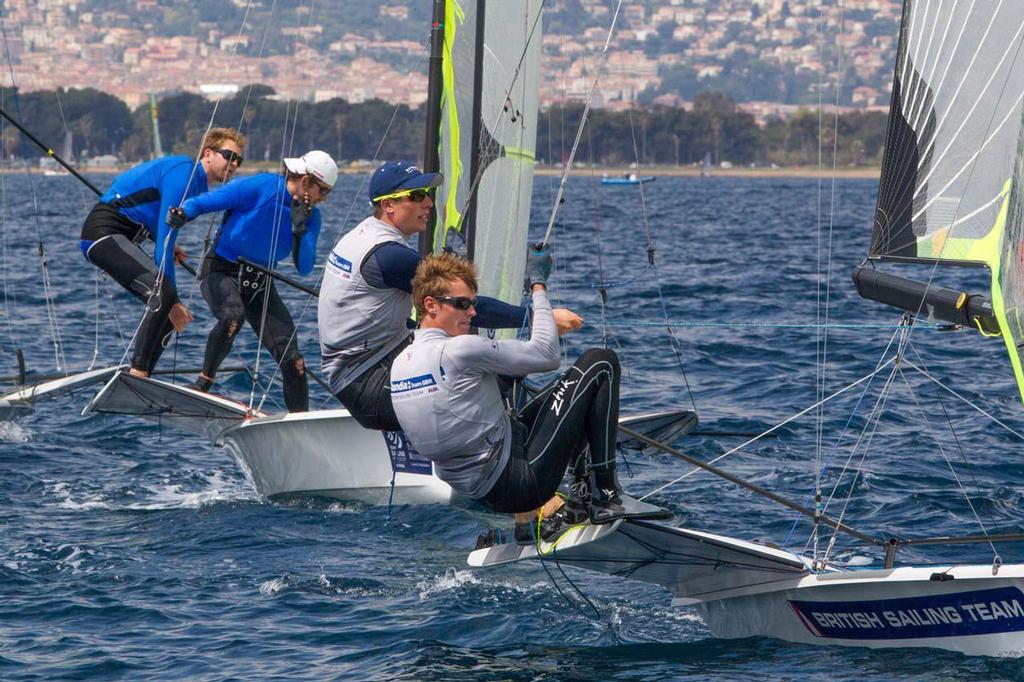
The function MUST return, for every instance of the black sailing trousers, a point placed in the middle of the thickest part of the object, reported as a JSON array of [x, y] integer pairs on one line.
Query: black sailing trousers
[[572, 422], [236, 293], [110, 242]]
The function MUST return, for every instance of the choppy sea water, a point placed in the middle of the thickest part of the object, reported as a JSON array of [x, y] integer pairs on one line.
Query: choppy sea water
[[130, 551]]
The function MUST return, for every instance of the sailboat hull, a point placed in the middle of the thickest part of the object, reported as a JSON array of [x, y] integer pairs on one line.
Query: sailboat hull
[[327, 453], [744, 589], [974, 612]]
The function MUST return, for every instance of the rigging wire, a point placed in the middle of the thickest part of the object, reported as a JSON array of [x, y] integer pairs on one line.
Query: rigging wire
[[48, 296], [308, 303], [583, 120], [949, 463], [771, 430], [10, 294]]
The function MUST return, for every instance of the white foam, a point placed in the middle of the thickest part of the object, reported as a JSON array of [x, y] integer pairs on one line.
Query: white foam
[[12, 432], [273, 587], [452, 579], [174, 496], [62, 491]]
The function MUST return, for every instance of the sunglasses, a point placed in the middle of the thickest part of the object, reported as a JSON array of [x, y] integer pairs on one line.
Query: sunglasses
[[415, 195], [457, 302], [230, 156], [324, 189]]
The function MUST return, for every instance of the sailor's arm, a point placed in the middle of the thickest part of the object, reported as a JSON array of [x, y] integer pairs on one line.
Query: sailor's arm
[[234, 195], [518, 358], [304, 253]]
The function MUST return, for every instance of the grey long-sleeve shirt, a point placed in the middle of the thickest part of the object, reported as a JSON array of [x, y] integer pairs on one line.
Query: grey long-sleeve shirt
[[446, 396]]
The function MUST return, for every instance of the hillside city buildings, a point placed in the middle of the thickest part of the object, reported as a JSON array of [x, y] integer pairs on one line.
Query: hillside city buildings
[[63, 43]]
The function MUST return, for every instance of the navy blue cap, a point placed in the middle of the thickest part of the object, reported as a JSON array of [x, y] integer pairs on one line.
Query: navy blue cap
[[395, 176]]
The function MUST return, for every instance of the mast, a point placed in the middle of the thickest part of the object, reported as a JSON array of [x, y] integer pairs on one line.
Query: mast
[[157, 148], [469, 225], [431, 160]]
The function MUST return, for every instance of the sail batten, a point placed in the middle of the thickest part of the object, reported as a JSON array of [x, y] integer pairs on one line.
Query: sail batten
[[949, 192], [488, 137]]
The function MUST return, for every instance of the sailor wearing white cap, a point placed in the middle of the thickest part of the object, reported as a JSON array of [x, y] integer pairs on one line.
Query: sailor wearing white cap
[[268, 216]]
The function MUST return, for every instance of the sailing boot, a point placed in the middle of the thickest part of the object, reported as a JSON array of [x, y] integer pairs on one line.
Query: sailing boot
[[573, 512], [490, 538], [202, 384], [610, 503]]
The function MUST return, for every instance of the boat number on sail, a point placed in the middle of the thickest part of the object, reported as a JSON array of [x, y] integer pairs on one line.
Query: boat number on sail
[[404, 457], [947, 615]]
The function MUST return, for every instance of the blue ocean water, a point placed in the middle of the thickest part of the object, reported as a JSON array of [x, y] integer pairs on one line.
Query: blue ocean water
[[130, 551]]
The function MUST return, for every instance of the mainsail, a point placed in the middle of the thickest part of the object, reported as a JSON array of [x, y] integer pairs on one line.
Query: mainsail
[[950, 185], [488, 131]]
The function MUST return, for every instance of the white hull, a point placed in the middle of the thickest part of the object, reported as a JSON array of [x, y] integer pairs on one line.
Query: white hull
[[326, 453], [975, 613], [747, 590]]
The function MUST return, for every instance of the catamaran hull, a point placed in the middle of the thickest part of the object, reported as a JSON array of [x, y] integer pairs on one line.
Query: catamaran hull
[[327, 453], [974, 613]]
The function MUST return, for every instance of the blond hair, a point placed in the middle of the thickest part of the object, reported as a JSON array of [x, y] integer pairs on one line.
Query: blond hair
[[435, 274], [216, 138]]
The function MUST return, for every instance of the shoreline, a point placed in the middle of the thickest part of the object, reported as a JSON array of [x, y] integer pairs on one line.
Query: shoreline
[[866, 173]]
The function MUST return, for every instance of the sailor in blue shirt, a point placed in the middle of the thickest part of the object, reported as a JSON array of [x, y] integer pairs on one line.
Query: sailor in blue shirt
[[132, 211], [268, 217]]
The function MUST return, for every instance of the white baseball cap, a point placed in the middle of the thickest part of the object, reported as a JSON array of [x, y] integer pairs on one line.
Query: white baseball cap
[[316, 163]]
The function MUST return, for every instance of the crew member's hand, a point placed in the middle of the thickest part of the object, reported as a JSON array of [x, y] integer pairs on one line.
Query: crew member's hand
[[180, 255], [566, 320], [301, 209], [538, 265], [180, 317], [176, 217]]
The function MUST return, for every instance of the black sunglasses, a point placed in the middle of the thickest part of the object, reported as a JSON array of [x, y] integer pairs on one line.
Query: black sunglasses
[[324, 189], [417, 196], [457, 302], [230, 156]]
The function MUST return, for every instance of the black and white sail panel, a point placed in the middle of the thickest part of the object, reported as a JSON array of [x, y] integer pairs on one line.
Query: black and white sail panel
[[949, 190]]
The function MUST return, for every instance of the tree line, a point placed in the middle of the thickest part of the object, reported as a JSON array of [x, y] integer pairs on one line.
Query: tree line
[[713, 128]]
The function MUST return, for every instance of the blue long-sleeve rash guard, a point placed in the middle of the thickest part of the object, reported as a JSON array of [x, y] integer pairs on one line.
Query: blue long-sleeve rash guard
[[393, 265], [144, 193], [258, 225]]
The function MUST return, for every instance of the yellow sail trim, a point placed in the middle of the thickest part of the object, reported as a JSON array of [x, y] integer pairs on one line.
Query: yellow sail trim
[[454, 16], [989, 250]]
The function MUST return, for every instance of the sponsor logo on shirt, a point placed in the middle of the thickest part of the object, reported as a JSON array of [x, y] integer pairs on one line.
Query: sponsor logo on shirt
[[423, 381], [342, 264]]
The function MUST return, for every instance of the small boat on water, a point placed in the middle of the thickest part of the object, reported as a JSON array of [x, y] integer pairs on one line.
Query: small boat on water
[[628, 179]]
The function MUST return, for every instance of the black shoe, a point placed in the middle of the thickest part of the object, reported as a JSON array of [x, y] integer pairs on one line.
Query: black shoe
[[202, 384], [610, 505], [493, 536], [570, 514], [525, 533]]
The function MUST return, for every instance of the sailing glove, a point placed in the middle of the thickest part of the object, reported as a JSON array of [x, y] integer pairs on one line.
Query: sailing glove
[[300, 214], [538, 264], [176, 217]]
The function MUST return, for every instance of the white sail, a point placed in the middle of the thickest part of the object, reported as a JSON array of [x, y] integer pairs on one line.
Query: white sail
[[488, 137]]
